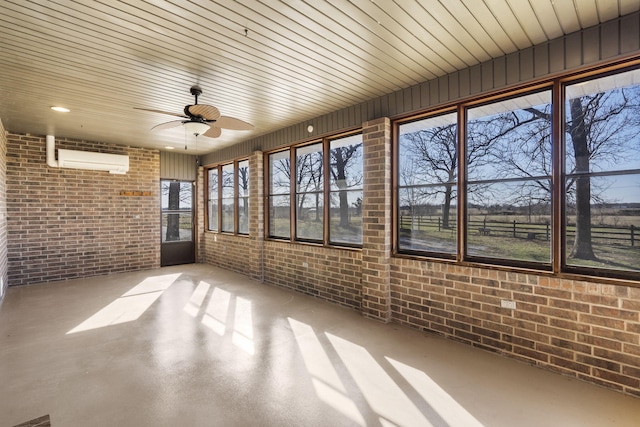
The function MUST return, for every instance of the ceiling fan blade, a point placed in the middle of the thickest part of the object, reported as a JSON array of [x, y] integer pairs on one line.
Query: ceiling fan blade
[[232, 124], [213, 132], [161, 112], [167, 125], [207, 112]]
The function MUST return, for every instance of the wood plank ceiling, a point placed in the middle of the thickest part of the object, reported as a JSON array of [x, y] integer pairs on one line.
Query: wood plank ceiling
[[272, 63]]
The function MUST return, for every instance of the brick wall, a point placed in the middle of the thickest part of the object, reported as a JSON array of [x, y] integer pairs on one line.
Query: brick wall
[[3, 212], [330, 274], [68, 223], [587, 329]]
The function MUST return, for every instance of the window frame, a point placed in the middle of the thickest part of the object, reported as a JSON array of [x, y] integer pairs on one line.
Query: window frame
[[326, 192], [558, 265], [219, 197]]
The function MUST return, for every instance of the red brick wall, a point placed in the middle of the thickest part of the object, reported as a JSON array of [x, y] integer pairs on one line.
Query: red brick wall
[[588, 329], [3, 212], [68, 223]]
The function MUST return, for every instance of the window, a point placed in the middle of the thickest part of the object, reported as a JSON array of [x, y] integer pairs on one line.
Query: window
[[213, 200], [427, 178], [309, 192], [228, 199], [514, 148], [279, 194], [320, 185], [243, 197], [602, 172], [228, 204], [508, 161], [345, 193]]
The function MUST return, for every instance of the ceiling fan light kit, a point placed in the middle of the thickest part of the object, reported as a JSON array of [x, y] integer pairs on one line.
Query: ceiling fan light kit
[[196, 128], [201, 119]]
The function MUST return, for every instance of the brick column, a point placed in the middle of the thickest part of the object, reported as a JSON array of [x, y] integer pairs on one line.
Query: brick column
[[376, 220], [201, 210], [256, 215]]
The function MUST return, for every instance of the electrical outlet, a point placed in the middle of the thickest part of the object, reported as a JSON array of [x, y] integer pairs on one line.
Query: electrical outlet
[[510, 304], [305, 265]]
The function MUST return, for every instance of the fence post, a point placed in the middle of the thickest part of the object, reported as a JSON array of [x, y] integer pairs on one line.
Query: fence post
[[514, 228], [439, 224], [632, 236], [547, 232]]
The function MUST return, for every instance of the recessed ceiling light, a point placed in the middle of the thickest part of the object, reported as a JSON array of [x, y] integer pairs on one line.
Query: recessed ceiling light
[[60, 109], [170, 148]]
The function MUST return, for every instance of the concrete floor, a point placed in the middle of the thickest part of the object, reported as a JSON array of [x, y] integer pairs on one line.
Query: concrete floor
[[199, 346]]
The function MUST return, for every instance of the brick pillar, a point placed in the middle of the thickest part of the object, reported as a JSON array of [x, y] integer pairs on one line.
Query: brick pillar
[[376, 220], [201, 210], [256, 215]]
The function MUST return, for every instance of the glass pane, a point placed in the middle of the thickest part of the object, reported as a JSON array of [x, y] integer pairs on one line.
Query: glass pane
[[345, 224], [510, 138], [176, 195], [279, 216], [602, 137], [227, 215], [213, 215], [243, 215], [243, 178], [279, 173], [227, 181], [605, 233], [427, 219], [428, 151], [309, 168], [346, 163], [213, 200], [510, 220], [601, 124], [177, 227], [427, 174], [309, 223]]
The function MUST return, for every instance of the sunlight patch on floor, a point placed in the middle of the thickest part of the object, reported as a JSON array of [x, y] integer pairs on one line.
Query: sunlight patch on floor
[[243, 326], [325, 379], [446, 406], [382, 393], [131, 305], [215, 316]]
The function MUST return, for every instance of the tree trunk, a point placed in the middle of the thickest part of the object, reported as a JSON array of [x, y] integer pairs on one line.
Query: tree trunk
[[582, 246], [173, 219]]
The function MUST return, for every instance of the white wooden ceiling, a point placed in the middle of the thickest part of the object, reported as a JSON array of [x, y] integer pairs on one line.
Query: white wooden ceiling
[[272, 63]]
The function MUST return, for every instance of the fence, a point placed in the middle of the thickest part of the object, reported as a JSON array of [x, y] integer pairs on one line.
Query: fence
[[523, 230]]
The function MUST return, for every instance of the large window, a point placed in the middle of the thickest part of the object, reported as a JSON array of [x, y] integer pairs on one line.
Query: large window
[[476, 182], [602, 172], [327, 206], [345, 193], [427, 180], [309, 192], [212, 204], [228, 198], [279, 189], [243, 197], [508, 161]]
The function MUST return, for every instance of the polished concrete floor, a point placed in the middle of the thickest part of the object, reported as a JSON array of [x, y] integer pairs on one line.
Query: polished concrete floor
[[199, 346]]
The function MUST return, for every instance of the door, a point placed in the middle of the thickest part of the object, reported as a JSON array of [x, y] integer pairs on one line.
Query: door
[[176, 210]]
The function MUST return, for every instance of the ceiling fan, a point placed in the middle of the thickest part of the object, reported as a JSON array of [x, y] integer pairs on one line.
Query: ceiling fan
[[201, 119]]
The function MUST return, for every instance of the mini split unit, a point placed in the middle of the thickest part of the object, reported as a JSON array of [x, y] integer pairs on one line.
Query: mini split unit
[[89, 160]]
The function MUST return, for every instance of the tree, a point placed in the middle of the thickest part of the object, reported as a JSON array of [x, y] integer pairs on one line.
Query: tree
[[342, 159]]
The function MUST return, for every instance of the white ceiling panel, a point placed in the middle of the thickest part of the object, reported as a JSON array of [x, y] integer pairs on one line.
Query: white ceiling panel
[[272, 63]]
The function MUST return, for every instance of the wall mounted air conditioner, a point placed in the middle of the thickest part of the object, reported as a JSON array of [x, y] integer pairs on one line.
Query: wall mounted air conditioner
[[74, 159]]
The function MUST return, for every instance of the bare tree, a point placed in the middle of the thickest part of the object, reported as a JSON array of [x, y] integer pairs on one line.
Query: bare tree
[[342, 159]]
